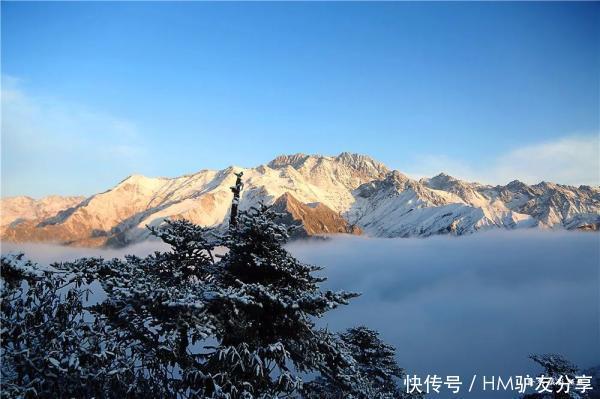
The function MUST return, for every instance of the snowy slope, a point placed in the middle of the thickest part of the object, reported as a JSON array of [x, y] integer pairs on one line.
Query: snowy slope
[[15, 209], [401, 207], [365, 192]]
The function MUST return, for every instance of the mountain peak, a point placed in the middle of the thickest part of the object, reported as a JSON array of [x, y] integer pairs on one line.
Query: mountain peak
[[137, 179], [353, 157], [354, 161], [441, 181], [293, 160], [516, 185], [360, 161]]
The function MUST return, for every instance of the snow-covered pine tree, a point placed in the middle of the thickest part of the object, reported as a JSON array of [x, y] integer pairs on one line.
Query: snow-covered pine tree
[[557, 367], [157, 305], [239, 326], [51, 347], [376, 373], [235, 202], [266, 310]]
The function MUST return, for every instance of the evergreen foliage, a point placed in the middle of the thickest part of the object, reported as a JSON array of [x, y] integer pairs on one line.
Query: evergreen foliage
[[558, 368], [228, 315], [375, 373]]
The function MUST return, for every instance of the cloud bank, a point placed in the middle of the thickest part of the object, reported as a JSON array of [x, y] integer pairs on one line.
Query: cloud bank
[[48, 253], [572, 160], [477, 304]]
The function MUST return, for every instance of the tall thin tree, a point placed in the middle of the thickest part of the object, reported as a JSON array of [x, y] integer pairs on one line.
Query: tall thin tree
[[237, 189]]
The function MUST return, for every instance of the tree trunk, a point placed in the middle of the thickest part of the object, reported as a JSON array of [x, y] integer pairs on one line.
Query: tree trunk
[[237, 189]]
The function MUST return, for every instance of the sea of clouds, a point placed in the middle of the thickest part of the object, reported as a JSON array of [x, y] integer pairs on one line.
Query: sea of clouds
[[478, 304], [470, 305]]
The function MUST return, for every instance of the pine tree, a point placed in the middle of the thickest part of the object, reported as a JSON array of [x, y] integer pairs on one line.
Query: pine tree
[[158, 304], [236, 326], [557, 367], [375, 372], [266, 310], [51, 347]]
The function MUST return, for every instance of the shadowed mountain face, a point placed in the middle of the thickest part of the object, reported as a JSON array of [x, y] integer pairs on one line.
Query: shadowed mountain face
[[349, 193], [311, 220]]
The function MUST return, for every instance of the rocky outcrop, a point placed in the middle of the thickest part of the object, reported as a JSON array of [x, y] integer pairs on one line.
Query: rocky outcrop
[[311, 219]]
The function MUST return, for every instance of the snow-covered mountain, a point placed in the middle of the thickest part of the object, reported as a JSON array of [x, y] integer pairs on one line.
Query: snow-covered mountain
[[18, 209], [348, 192]]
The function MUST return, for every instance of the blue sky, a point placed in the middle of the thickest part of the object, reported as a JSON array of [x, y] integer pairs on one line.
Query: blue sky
[[93, 92]]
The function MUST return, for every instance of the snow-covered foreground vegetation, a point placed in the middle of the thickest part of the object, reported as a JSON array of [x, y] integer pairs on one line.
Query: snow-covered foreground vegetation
[[452, 306], [253, 307]]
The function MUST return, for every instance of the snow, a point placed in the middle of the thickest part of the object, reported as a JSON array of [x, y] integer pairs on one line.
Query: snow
[[383, 203], [18, 208]]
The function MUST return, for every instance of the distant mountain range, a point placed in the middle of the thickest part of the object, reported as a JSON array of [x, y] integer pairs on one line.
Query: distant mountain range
[[348, 193]]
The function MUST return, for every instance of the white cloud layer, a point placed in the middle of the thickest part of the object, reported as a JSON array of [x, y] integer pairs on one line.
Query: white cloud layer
[[476, 304], [570, 160]]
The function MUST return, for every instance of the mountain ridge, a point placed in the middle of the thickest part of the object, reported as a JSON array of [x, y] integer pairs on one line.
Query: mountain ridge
[[358, 189]]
